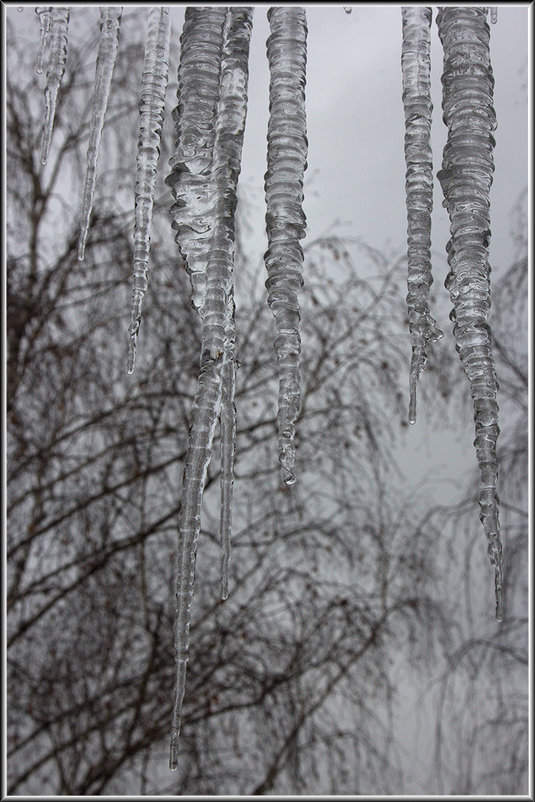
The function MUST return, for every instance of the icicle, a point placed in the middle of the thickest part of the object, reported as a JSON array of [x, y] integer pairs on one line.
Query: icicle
[[228, 444], [191, 182], [227, 161], [151, 109], [59, 27], [466, 178], [494, 14], [416, 67], [44, 13], [285, 219], [110, 20], [215, 389], [191, 165]]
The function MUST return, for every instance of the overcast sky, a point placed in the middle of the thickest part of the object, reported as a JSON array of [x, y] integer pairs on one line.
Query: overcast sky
[[356, 166]]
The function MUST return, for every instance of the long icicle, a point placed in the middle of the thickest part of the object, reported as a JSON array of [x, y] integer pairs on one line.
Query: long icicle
[[466, 178], [110, 21], [191, 182], [285, 219], [416, 76], [59, 29], [44, 13], [227, 163], [151, 110]]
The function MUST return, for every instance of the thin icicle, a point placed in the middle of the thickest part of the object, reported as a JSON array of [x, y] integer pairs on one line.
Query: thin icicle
[[151, 110], [285, 219], [466, 178], [44, 14], [191, 182], [230, 127], [416, 75], [110, 20], [228, 445], [59, 28], [494, 14]]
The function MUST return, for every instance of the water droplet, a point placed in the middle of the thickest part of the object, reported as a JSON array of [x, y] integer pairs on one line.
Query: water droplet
[[348, 9]]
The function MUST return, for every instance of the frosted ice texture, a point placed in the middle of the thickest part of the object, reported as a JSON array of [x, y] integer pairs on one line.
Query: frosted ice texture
[[466, 178], [416, 77], [210, 120], [44, 14], [59, 28], [110, 20], [285, 219], [151, 111]]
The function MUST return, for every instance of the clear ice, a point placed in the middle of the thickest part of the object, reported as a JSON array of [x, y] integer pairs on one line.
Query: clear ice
[[210, 120], [58, 34], [285, 219], [110, 20], [416, 77], [466, 178], [151, 111], [44, 14]]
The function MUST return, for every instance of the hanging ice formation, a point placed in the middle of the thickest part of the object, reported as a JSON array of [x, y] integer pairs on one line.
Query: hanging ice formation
[[43, 12], [59, 27], [416, 67], [110, 20], [466, 178], [210, 120], [151, 110], [285, 219]]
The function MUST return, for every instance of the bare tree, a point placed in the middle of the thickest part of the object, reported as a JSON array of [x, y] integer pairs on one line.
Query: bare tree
[[291, 681]]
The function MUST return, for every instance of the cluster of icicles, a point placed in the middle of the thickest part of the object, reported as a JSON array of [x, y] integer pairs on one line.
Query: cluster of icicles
[[466, 177], [209, 123]]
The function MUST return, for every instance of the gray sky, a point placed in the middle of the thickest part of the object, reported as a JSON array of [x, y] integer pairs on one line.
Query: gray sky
[[356, 171], [356, 167]]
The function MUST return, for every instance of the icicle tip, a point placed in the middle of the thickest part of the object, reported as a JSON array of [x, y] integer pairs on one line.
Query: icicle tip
[[412, 406], [173, 752]]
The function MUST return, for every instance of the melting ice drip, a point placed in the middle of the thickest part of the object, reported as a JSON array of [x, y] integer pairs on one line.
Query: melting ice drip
[[416, 76], [466, 178]]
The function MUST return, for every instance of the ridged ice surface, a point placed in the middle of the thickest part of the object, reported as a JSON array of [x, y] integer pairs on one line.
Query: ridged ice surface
[[285, 219], [416, 77], [466, 178], [191, 165], [44, 13], [110, 21], [151, 111], [226, 34], [58, 35]]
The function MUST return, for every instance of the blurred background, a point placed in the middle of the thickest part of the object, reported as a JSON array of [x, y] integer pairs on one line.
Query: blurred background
[[357, 652]]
